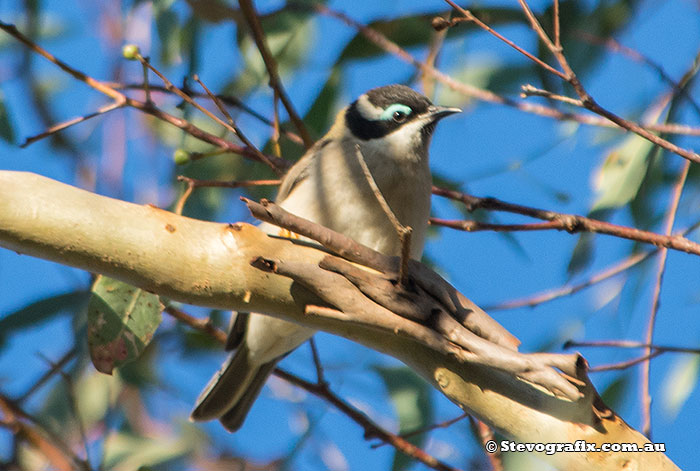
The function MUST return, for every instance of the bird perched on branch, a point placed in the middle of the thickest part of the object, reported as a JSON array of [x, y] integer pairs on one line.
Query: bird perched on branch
[[386, 131]]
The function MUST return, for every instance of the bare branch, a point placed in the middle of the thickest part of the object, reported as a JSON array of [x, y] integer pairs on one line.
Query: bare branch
[[403, 232], [226, 99], [588, 101], [626, 364], [66, 124], [571, 223], [321, 389], [143, 106], [477, 93], [632, 344], [49, 444], [530, 90], [470, 16], [676, 193], [251, 16]]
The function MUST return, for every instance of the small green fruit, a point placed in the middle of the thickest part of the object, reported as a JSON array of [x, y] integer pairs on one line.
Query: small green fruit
[[181, 156], [131, 52]]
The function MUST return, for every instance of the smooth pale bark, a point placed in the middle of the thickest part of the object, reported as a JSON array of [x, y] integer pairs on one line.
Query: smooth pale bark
[[208, 264]]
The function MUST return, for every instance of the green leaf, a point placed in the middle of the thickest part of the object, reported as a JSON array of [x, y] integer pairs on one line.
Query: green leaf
[[128, 451], [411, 398], [97, 394], [41, 311], [615, 393], [622, 173], [582, 255], [289, 35], [121, 322], [680, 381], [168, 29], [7, 132], [322, 112]]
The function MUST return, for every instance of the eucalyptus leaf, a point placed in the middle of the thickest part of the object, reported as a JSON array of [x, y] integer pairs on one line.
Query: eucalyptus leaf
[[615, 393], [582, 254], [289, 35], [168, 29], [622, 172], [681, 380], [7, 132], [121, 322], [128, 451]]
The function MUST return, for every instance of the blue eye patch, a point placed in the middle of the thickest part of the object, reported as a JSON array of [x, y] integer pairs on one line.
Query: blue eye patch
[[388, 114]]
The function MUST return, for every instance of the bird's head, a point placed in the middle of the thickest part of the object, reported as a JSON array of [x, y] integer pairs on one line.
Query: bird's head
[[395, 116]]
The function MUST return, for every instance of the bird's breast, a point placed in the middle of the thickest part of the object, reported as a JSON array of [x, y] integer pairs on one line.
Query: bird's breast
[[336, 193]]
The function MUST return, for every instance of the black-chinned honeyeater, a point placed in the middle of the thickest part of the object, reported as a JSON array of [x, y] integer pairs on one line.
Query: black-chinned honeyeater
[[391, 127]]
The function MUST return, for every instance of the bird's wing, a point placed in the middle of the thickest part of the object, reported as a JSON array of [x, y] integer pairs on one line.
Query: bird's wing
[[300, 170]]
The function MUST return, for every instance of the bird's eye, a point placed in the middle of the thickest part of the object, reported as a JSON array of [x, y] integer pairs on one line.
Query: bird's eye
[[399, 116], [397, 112]]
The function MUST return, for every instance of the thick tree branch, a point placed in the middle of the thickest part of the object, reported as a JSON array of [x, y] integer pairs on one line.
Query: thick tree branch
[[210, 264]]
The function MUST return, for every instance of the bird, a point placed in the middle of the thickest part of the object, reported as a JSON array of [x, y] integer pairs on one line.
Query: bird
[[390, 129]]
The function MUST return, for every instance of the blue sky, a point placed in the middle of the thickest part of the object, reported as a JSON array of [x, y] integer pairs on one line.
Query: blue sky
[[494, 150]]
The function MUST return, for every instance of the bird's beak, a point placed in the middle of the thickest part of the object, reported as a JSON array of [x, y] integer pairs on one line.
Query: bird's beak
[[438, 112]]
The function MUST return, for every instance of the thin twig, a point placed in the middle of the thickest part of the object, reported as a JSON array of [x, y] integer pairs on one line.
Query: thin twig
[[235, 127], [478, 226], [557, 34], [615, 46], [55, 368], [251, 16], [626, 364], [276, 124], [668, 228], [75, 411], [529, 90], [146, 84], [226, 99], [631, 344], [372, 430], [477, 93], [148, 108], [230, 125], [470, 16], [437, 40], [403, 232], [227, 184], [66, 124], [587, 100], [572, 223], [177, 91], [203, 325], [320, 378], [602, 275], [566, 290], [189, 187], [486, 434], [428, 428], [30, 429], [537, 27]]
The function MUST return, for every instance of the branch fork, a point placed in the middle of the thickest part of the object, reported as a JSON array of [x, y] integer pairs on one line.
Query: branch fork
[[423, 307]]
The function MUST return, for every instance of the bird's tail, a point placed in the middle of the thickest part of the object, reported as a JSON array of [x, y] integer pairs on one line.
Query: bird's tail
[[231, 392]]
